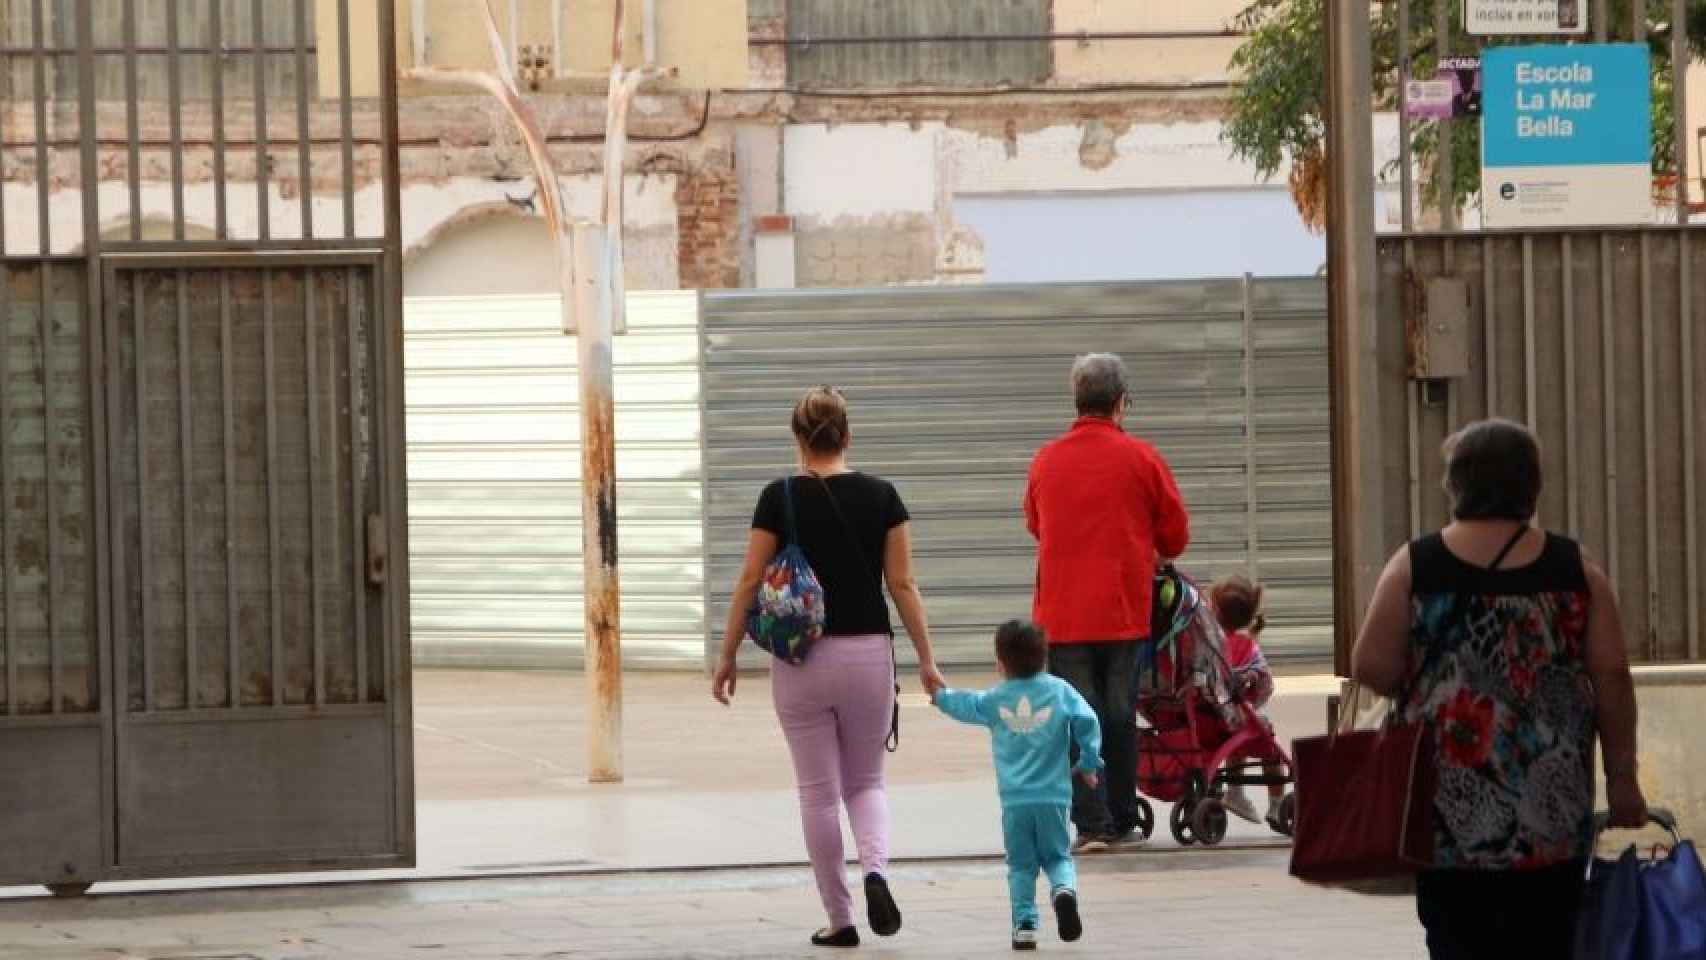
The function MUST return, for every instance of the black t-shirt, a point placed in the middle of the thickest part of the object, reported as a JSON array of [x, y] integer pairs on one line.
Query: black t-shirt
[[853, 598]]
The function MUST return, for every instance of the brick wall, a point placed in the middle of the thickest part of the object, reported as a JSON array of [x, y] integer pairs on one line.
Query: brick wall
[[708, 229]]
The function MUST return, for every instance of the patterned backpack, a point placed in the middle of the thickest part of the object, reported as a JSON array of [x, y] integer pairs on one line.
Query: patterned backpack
[[787, 615]]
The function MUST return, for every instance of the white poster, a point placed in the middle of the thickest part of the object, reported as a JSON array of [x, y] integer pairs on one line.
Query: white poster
[[1491, 18]]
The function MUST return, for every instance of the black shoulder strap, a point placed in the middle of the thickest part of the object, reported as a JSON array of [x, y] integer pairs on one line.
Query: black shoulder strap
[[1459, 599], [893, 743]]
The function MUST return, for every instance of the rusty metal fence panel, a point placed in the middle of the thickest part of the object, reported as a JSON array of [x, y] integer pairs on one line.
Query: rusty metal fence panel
[[1591, 338], [954, 389], [494, 485]]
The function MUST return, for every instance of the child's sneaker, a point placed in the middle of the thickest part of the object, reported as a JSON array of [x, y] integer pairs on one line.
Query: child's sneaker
[[1066, 917], [1238, 804], [1025, 936]]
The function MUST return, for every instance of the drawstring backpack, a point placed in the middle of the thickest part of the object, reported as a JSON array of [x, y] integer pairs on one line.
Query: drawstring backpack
[[787, 615]]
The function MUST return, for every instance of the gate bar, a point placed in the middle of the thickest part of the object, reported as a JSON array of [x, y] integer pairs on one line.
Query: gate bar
[[133, 135], [1252, 528], [44, 177], [1489, 330], [229, 448], [358, 556], [1406, 175], [186, 444], [175, 124], [305, 138], [138, 313], [346, 124], [274, 610], [1447, 161], [310, 350], [1608, 355], [1647, 444], [263, 195], [1572, 485], [1679, 58], [8, 530], [216, 56], [1530, 390], [50, 495]]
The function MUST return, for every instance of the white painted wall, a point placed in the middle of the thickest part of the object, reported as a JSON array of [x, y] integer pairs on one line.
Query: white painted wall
[[859, 170]]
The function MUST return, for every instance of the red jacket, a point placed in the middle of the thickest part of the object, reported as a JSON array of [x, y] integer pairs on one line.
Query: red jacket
[[1101, 505]]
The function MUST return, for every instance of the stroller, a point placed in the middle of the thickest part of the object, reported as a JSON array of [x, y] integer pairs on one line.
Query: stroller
[[1197, 733]]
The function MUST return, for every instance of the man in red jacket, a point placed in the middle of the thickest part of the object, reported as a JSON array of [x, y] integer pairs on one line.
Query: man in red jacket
[[1103, 507]]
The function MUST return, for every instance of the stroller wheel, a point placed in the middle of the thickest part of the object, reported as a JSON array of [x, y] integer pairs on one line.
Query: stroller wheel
[[1145, 819], [1180, 822], [1287, 824], [1209, 821]]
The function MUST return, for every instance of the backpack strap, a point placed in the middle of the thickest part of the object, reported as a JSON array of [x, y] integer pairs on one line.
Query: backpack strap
[[893, 743], [788, 510]]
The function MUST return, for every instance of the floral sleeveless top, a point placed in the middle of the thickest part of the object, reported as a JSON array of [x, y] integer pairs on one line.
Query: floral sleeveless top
[[1500, 675]]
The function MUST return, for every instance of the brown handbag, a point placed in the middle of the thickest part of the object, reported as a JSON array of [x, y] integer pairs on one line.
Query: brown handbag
[[1365, 805]]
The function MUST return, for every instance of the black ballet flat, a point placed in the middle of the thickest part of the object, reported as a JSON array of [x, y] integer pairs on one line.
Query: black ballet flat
[[845, 937], [879, 903]]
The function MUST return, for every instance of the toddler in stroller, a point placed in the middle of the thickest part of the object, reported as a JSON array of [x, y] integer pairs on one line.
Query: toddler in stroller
[[1238, 609], [1199, 734]]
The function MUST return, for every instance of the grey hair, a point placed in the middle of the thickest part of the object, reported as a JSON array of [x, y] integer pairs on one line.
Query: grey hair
[[1098, 384]]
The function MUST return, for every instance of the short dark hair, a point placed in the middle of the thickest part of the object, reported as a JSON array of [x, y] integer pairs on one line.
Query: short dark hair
[[1492, 471], [1022, 648]]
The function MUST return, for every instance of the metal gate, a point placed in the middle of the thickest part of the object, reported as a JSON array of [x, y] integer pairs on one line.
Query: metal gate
[[1590, 335], [953, 389], [205, 658]]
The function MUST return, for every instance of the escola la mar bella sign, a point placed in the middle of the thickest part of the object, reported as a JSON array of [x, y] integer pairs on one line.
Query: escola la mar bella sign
[[1566, 136]]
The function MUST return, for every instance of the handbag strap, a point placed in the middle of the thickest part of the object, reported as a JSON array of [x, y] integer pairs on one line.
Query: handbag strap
[[893, 742]]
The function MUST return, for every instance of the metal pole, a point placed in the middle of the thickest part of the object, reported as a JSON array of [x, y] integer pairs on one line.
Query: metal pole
[[1406, 162], [593, 317], [1447, 170], [1354, 396]]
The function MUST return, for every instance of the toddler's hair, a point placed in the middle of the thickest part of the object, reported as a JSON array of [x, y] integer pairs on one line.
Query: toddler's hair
[[1022, 648], [1238, 604]]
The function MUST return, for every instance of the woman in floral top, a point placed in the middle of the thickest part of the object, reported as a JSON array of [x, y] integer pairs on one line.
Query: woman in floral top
[[1506, 641]]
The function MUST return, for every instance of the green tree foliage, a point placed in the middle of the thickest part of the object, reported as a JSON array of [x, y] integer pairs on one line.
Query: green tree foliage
[[1278, 113]]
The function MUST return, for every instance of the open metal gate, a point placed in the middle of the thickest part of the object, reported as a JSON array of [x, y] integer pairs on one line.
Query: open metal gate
[[203, 644]]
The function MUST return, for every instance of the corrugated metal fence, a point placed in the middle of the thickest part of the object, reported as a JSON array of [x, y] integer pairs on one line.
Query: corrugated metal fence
[[494, 482], [1590, 337], [954, 388]]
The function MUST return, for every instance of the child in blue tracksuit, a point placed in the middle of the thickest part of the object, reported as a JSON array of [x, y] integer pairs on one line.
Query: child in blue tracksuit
[[1034, 718]]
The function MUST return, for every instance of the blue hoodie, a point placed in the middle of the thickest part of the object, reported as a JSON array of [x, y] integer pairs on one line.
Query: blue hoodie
[[1033, 721]]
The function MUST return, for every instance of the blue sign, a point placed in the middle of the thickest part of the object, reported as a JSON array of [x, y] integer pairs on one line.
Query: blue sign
[[1566, 105]]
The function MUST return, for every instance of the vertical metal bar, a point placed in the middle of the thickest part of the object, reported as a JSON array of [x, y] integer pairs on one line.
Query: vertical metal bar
[[559, 54], [1490, 333], [1601, 20], [1413, 442], [174, 116], [1648, 441], [50, 498], [310, 347], [186, 443], [346, 122], [1530, 389], [1572, 482], [263, 162], [1446, 170], [304, 135], [1252, 513], [8, 529], [1406, 163], [233, 650], [514, 31], [145, 553], [358, 499], [1608, 355], [216, 43], [1638, 21], [133, 130], [1679, 61], [418, 31], [44, 176], [1452, 392], [275, 604], [1691, 546]]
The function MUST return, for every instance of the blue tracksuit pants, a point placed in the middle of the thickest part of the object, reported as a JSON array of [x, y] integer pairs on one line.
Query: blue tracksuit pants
[[1038, 837]]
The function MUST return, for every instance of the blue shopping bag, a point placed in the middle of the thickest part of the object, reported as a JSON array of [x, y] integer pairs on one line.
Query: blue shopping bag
[[1636, 909]]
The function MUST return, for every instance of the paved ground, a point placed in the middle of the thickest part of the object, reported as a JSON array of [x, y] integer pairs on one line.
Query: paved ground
[[1189, 906]]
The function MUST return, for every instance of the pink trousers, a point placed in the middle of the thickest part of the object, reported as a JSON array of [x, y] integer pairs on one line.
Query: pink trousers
[[835, 710]]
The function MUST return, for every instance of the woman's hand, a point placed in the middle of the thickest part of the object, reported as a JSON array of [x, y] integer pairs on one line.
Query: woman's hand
[[1628, 806], [932, 679], [723, 681]]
